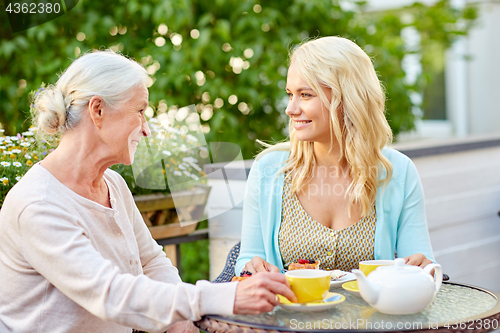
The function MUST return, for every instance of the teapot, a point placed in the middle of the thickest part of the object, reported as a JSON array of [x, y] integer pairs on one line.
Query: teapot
[[400, 289]]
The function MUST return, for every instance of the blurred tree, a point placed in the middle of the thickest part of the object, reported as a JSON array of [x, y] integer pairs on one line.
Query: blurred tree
[[228, 57]]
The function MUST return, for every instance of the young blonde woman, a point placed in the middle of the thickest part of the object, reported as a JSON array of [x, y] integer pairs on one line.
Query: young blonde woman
[[335, 193]]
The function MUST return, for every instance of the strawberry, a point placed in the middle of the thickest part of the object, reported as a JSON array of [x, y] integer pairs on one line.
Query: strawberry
[[245, 274], [307, 261]]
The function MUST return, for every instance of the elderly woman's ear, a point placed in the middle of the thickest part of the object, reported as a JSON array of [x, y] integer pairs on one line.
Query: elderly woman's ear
[[96, 105]]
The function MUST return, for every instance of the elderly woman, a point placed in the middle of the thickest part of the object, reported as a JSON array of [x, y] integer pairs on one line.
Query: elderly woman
[[334, 193], [75, 254]]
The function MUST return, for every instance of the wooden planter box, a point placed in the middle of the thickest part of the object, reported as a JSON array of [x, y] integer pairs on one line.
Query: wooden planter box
[[161, 215]]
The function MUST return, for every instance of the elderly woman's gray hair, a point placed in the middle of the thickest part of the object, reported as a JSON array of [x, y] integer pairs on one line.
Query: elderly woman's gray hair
[[106, 74]]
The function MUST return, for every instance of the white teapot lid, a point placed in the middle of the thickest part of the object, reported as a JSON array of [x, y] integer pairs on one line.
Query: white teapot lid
[[400, 267]]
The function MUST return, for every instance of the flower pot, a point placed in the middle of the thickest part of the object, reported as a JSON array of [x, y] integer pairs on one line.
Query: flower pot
[[167, 216]]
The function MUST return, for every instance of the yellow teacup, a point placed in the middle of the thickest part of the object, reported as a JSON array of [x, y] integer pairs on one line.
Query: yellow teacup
[[369, 266], [309, 285]]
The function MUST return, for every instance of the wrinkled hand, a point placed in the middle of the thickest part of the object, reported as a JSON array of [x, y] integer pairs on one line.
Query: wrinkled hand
[[418, 259], [257, 264], [257, 294], [185, 326]]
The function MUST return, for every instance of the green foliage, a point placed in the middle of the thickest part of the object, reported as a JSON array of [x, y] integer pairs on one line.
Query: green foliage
[[238, 48], [194, 259], [17, 155]]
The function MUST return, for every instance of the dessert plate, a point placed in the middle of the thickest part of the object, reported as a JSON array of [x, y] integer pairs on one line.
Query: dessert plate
[[338, 282], [330, 300]]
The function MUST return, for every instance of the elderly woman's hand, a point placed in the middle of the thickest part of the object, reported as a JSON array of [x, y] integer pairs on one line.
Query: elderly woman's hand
[[185, 326], [257, 264], [258, 293], [417, 259]]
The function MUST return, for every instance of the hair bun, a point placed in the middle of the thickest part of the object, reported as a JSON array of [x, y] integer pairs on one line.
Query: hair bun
[[49, 110]]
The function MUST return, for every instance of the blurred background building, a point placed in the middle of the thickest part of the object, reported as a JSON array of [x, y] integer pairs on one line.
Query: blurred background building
[[464, 96]]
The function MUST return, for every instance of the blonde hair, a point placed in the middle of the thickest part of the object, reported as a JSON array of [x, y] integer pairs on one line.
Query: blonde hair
[[107, 74], [356, 116]]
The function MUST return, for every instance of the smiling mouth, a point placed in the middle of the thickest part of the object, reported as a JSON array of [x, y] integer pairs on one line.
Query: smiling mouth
[[135, 143], [302, 122]]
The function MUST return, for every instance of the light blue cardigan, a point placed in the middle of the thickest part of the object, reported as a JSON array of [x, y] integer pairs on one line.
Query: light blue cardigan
[[401, 222]]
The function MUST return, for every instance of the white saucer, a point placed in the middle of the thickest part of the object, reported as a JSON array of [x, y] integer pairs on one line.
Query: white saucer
[[345, 278], [313, 306]]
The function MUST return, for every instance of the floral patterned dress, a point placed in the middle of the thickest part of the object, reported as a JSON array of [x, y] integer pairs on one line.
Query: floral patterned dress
[[301, 237]]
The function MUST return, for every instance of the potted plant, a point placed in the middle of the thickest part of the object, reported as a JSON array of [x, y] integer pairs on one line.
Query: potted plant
[[17, 155]]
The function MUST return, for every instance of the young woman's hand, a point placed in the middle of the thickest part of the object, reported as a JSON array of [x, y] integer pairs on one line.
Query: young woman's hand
[[417, 259], [257, 264], [257, 294]]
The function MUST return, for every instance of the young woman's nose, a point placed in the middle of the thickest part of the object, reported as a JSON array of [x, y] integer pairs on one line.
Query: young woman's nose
[[292, 108]]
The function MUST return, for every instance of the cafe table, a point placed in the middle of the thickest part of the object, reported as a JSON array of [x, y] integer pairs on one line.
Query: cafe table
[[456, 308]]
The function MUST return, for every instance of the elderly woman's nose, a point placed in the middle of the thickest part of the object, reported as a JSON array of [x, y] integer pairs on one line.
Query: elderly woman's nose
[[145, 129]]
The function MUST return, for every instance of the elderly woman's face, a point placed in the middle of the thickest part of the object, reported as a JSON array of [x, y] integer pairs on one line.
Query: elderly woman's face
[[129, 126], [309, 114]]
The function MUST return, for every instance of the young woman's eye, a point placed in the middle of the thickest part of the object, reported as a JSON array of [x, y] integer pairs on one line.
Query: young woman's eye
[[306, 95], [290, 95]]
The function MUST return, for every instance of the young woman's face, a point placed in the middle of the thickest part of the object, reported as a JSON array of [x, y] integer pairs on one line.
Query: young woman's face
[[309, 114]]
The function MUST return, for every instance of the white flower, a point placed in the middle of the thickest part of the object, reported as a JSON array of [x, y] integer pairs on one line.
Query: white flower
[[192, 161], [28, 133], [16, 151], [183, 147], [194, 177], [5, 164], [3, 147], [4, 181], [25, 144], [14, 138], [27, 156], [17, 164], [1, 130], [177, 173], [166, 152], [187, 173], [182, 167], [18, 178]]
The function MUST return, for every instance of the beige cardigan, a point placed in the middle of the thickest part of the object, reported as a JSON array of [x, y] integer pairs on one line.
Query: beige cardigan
[[68, 264]]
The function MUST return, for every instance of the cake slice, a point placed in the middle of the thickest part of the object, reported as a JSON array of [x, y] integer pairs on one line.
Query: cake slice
[[304, 264]]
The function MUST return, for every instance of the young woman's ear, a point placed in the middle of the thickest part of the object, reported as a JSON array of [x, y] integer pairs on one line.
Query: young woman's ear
[[95, 109]]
